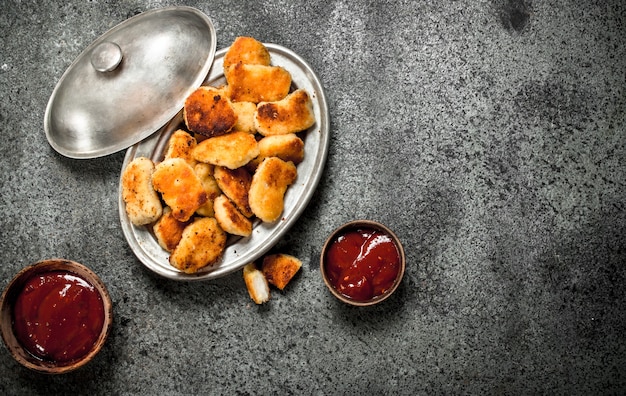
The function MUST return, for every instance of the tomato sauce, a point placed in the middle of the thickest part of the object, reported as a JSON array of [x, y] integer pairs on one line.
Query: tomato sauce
[[362, 263], [58, 316]]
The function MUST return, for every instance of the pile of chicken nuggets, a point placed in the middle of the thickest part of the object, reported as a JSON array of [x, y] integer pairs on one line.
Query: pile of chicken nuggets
[[232, 161]]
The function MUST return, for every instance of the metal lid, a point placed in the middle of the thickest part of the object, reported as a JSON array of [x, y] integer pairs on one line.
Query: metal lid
[[130, 82]]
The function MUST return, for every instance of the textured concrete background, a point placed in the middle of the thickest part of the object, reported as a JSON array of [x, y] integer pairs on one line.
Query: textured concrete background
[[490, 135]]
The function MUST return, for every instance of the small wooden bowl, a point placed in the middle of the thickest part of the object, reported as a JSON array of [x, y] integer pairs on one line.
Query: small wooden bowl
[[22, 355], [355, 225]]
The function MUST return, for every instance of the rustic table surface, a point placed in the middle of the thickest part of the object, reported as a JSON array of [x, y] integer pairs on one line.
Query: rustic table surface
[[489, 135]]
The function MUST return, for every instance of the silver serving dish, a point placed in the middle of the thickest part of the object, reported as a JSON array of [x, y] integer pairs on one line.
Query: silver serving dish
[[239, 251], [129, 82]]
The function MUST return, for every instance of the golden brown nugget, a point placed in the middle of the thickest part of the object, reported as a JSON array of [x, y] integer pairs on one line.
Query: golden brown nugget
[[180, 145], [257, 83], [267, 190], [209, 112], [230, 218], [168, 230], [222, 90], [280, 268], [201, 245], [205, 173], [288, 147], [143, 205], [180, 187], [235, 184], [246, 50], [233, 150], [245, 116], [258, 288], [292, 114]]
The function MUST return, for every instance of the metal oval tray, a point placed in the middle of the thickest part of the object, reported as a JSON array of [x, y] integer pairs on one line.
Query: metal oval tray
[[239, 251]]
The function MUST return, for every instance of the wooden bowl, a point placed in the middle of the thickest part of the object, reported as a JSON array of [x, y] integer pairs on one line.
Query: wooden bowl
[[392, 283], [8, 301]]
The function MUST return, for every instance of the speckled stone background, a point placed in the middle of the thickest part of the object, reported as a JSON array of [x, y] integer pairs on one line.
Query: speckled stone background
[[490, 135]]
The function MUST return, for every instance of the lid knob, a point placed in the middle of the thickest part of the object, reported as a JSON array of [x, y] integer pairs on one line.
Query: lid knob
[[106, 56]]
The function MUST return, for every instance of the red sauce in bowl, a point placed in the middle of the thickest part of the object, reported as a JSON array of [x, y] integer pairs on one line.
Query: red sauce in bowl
[[362, 263], [58, 316]]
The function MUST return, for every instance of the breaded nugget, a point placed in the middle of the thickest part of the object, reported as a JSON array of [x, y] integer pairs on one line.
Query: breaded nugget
[[230, 218], [205, 173], [232, 150], [246, 50], [168, 230], [280, 268], [245, 116], [257, 83], [235, 184], [180, 187], [287, 147], [209, 112], [267, 190], [180, 145], [292, 114], [143, 204], [202, 244], [222, 90], [257, 285]]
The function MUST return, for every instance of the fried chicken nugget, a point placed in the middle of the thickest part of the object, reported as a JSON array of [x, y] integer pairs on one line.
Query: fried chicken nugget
[[280, 268], [233, 150], [267, 190], [168, 230], [180, 145], [235, 184], [230, 218], [180, 187], [205, 173], [209, 112], [143, 205], [245, 116], [257, 83], [292, 114], [287, 147], [246, 50], [202, 244], [258, 288]]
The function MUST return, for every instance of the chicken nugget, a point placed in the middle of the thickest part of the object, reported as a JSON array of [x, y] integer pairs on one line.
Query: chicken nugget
[[267, 190], [180, 187], [245, 116], [168, 230], [209, 112], [280, 268], [230, 218], [258, 288], [235, 184], [257, 83], [246, 50], [202, 244], [292, 114], [180, 145], [233, 150], [143, 205], [205, 173], [287, 147]]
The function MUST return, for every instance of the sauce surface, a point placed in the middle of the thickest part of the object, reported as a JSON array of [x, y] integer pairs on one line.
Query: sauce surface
[[362, 263], [58, 316]]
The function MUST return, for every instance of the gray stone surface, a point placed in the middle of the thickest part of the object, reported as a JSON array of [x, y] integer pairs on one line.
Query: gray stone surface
[[490, 135]]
